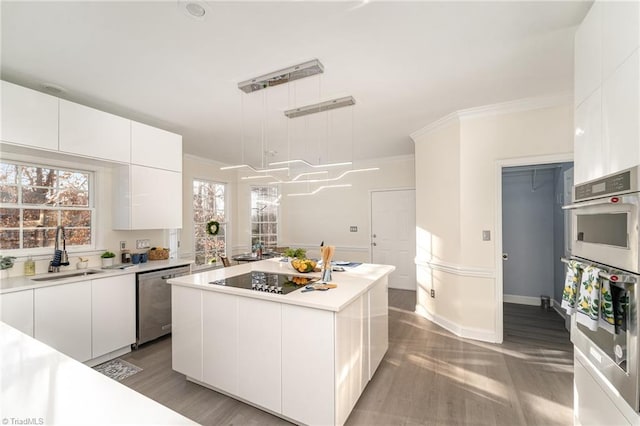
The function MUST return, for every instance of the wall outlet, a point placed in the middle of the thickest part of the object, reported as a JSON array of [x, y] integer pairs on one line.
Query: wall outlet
[[486, 235], [433, 293], [123, 245], [353, 229], [142, 244]]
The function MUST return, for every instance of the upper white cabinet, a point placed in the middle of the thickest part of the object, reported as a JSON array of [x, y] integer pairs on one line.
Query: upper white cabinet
[[147, 198], [87, 131], [63, 318], [621, 115], [590, 157], [588, 54], [607, 90], [620, 33], [155, 147], [113, 314], [29, 117], [16, 309]]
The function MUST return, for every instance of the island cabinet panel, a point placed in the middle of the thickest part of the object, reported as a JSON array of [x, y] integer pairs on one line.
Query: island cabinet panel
[[16, 309], [352, 363], [28, 117], [308, 365], [113, 313], [220, 341], [260, 352], [63, 318], [186, 341], [378, 323]]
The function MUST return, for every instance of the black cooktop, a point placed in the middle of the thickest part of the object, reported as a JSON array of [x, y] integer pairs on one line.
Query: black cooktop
[[267, 282]]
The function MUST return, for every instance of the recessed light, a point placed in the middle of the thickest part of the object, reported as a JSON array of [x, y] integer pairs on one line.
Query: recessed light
[[195, 9]]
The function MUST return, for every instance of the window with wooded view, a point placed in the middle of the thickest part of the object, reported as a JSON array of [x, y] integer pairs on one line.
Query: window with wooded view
[[264, 216], [208, 205], [35, 199]]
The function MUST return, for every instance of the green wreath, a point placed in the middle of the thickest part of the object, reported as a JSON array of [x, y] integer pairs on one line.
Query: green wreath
[[213, 227]]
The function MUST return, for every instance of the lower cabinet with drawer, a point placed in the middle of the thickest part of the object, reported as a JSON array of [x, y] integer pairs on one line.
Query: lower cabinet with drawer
[[16, 309]]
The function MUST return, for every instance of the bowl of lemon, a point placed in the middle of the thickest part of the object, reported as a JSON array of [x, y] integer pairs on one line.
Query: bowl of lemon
[[303, 265]]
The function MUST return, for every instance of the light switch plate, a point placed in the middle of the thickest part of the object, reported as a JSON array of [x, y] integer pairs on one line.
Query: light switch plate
[[486, 235], [353, 229], [142, 244]]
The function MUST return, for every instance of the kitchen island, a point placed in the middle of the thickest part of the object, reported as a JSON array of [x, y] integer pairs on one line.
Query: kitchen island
[[305, 357]]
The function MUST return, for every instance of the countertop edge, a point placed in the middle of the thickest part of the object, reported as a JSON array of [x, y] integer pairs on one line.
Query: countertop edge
[[22, 283]]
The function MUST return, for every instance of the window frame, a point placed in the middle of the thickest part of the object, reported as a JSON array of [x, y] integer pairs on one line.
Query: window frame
[[277, 212], [226, 224], [91, 206]]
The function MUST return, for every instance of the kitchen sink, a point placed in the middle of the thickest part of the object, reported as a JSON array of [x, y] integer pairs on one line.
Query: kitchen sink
[[57, 276]]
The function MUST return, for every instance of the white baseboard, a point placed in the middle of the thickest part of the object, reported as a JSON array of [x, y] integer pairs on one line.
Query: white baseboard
[[521, 300], [466, 332], [108, 357]]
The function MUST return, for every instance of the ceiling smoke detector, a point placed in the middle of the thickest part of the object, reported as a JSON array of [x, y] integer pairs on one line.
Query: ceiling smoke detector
[[286, 75]]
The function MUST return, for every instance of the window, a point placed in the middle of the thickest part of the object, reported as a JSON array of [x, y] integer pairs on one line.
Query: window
[[208, 204], [264, 216], [35, 199]]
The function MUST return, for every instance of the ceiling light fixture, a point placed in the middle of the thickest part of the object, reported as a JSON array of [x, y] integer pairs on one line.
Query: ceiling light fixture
[[286, 75], [320, 107], [347, 185], [195, 9], [278, 163], [240, 166], [370, 169], [53, 89]]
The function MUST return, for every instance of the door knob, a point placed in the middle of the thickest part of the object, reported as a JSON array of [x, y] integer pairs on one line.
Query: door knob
[[373, 244], [374, 235]]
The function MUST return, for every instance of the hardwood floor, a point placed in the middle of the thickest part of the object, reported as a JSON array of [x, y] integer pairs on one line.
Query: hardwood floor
[[428, 376]]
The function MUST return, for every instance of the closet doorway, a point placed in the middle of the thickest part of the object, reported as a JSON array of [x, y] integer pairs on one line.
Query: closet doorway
[[535, 235]]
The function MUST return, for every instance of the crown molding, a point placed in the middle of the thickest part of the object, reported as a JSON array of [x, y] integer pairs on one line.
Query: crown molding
[[510, 107]]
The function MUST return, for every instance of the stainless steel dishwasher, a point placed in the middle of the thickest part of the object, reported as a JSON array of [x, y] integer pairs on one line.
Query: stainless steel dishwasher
[[153, 297]]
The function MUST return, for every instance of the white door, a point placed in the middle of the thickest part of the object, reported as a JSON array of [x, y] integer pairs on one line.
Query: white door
[[393, 235]]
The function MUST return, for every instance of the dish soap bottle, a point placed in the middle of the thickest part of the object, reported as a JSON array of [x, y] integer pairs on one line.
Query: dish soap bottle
[[29, 267]]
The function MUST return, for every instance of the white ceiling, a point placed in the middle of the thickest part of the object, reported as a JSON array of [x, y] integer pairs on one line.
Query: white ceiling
[[406, 63]]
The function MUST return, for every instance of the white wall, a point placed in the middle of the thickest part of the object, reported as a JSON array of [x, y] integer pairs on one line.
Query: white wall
[[326, 216], [464, 274], [527, 233]]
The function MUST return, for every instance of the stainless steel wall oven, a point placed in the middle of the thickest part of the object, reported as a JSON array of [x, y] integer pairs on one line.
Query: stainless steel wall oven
[[604, 232]]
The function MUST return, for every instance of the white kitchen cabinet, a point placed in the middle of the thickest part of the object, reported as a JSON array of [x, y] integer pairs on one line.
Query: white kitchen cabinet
[[220, 341], [147, 198], [592, 405], [259, 344], [16, 309], [308, 365], [113, 313], [621, 115], [588, 55], [620, 33], [155, 147], [29, 117], [378, 314], [93, 133], [186, 326], [63, 318], [590, 154]]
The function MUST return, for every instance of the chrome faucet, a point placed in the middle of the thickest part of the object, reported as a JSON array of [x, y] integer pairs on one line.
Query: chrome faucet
[[60, 257]]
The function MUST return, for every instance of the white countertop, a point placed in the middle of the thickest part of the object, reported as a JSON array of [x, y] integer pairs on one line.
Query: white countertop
[[43, 384], [351, 283], [8, 285]]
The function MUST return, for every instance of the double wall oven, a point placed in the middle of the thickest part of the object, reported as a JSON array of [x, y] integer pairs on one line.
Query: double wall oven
[[605, 214]]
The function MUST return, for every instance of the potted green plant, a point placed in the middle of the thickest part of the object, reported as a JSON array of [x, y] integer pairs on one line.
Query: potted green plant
[[6, 262], [107, 258]]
